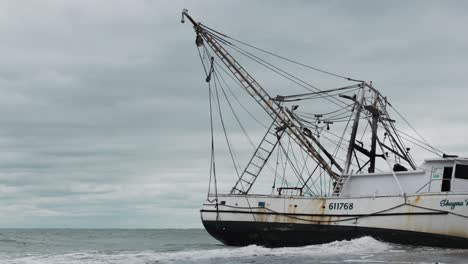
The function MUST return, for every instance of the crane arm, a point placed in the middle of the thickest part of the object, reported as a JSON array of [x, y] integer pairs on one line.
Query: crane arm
[[294, 127]]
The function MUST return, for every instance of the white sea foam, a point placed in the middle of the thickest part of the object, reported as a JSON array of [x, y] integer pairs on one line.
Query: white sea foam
[[358, 246]]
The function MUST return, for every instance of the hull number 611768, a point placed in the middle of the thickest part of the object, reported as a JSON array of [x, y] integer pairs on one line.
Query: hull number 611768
[[340, 206]]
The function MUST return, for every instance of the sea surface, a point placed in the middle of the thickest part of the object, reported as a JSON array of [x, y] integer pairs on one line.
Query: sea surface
[[149, 246]]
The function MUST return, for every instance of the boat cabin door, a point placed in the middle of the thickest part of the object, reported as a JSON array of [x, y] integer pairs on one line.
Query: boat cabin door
[[447, 179], [441, 179]]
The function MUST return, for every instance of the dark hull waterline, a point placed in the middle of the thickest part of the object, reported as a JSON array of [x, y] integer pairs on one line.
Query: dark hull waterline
[[236, 233]]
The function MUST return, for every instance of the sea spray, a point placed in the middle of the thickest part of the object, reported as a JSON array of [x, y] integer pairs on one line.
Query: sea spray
[[356, 246]]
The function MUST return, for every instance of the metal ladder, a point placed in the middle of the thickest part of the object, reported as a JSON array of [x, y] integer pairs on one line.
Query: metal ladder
[[258, 160], [340, 184]]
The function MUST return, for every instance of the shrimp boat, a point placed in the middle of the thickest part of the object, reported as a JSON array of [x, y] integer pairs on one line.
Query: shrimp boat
[[332, 162]]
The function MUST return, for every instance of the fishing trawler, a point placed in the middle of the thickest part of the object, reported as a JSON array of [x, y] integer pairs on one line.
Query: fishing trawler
[[337, 165]]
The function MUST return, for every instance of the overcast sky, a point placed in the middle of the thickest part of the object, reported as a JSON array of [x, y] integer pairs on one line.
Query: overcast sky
[[103, 107]]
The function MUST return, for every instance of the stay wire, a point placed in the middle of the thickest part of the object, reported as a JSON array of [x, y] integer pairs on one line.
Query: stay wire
[[234, 112], [278, 56], [235, 97], [212, 155], [415, 131], [327, 113], [285, 74], [416, 143], [225, 132], [212, 162], [202, 62], [288, 160], [317, 95], [217, 78]]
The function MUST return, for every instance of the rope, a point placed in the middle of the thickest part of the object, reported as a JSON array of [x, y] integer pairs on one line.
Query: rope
[[350, 218]]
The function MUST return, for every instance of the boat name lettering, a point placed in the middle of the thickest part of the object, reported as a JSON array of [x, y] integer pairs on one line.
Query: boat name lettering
[[340, 206], [453, 204]]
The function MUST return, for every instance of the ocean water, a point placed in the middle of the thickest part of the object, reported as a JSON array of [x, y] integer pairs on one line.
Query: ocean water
[[69, 246]]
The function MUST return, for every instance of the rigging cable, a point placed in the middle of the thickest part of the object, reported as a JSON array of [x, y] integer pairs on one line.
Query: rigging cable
[[212, 158], [230, 149], [212, 162], [283, 73], [228, 142], [296, 172], [278, 56], [237, 119], [407, 154], [276, 169], [234, 113], [216, 74], [217, 83], [201, 59], [415, 131], [237, 99], [324, 114]]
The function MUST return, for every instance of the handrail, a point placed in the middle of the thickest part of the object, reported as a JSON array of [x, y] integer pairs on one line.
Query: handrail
[[430, 182], [280, 189]]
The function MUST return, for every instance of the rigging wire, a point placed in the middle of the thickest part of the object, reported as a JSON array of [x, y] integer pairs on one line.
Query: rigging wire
[[212, 159], [432, 150], [316, 95], [415, 142], [415, 131], [286, 153], [337, 117], [276, 169], [283, 73], [278, 56], [234, 112], [308, 171], [228, 142], [310, 176], [285, 157], [325, 114], [212, 155], [202, 62], [216, 75], [297, 164], [235, 97]]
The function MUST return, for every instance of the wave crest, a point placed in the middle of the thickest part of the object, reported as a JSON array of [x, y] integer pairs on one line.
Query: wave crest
[[358, 246]]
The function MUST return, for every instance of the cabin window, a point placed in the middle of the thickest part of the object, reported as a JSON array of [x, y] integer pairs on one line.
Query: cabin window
[[461, 172], [446, 179], [222, 203], [261, 204]]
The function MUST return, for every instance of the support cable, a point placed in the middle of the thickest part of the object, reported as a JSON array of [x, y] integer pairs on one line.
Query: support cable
[[278, 56], [415, 131], [285, 74], [212, 161]]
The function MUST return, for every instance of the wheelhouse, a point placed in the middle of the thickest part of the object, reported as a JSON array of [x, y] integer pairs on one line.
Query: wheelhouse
[[433, 176]]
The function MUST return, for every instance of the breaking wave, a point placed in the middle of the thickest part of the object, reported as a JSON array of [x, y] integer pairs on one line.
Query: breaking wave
[[358, 246]]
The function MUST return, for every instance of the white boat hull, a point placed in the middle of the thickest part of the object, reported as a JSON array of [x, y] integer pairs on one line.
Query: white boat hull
[[435, 219]]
